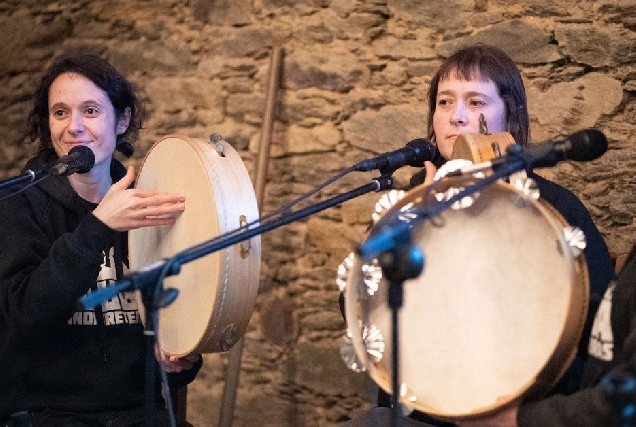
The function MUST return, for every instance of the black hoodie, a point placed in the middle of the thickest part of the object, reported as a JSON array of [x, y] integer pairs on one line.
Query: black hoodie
[[52, 352]]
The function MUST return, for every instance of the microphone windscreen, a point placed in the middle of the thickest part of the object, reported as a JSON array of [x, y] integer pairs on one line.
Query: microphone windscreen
[[587, 144], [424, 150], [421, 144], [82, 159]]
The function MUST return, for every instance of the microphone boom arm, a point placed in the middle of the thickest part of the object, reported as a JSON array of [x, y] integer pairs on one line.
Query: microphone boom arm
[[171, 266], [29, 175]]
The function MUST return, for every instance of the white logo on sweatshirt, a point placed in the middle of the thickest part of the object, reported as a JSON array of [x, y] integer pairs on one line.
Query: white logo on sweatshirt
[[601, 343], [122, 308]]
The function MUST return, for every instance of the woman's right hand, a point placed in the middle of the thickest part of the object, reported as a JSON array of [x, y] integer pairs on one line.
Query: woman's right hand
[[124, 209]]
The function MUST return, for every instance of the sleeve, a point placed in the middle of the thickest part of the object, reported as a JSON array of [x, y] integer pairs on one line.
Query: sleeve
[[585, 408], [43, 275]]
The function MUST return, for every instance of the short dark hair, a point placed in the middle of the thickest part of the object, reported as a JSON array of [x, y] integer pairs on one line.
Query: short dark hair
[[119, 90], [487, 62]]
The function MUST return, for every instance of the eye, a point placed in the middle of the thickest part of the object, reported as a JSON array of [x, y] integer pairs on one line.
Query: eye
[[443, 102], [59, 113], [477, 103], [91, 111]]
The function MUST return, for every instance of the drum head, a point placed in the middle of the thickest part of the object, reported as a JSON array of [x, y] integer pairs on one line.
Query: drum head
[[217, 291], [499, 295]]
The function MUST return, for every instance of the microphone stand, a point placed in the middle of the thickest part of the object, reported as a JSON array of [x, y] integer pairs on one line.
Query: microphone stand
[[399, 264], [400, 260], [149, 279]]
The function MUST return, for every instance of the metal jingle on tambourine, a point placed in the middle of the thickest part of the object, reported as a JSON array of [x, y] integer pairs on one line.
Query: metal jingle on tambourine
[[575, 239], [348, 354], [527, 186], [343, 271], [452, 190], [463, 203], [373, 342], [374, 346], [385, 203], [371, 274], [406, 394]]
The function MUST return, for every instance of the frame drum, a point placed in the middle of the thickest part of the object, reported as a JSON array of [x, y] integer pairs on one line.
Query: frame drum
[[217, 292], [497, 312]]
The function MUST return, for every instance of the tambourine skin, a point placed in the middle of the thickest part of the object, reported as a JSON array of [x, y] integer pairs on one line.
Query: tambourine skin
[[217, 292], [496, 314]]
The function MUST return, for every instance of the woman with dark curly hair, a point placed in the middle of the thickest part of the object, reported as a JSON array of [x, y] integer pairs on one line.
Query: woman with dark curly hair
[[119, 91], [66, 236]]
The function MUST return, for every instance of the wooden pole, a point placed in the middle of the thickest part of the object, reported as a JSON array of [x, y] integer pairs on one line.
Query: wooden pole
[[236, 352]]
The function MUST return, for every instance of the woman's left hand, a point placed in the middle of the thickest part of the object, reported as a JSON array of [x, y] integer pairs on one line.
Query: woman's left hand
[[431, 170], [175, 363]]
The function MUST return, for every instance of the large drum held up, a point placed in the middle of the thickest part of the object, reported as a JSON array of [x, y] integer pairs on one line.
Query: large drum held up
[[217, 292], [496, 314]]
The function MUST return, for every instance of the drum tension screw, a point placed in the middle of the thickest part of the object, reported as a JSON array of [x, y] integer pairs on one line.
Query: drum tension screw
[[228, 339], [245, 245], [216, 139]]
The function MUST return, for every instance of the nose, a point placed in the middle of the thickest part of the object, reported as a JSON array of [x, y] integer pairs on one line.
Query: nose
[[76, 124], [460, 114]]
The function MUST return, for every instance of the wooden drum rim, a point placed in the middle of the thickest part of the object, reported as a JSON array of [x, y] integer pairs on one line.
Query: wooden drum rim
[[217, 292]]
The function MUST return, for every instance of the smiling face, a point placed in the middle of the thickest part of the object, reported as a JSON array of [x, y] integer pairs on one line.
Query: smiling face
[[459, 103], [81, 113]]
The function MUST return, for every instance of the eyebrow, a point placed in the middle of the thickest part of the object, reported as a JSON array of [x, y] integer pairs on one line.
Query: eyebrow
[[469, 94]]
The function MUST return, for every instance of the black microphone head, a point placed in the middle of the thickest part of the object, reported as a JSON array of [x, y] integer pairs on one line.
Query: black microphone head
[[81, 159], [423, 150], [587, 144]]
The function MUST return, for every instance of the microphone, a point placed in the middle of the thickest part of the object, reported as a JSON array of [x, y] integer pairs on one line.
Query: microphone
[[80, 159], [413, 154], [582, 146]]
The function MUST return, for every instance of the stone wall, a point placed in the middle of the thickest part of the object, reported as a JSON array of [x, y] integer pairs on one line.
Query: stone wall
[[354, 83]]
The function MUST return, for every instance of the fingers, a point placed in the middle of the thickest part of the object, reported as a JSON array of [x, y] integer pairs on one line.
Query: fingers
[[149, 199], [175, 363], [157, 205], [125, 209], [431, 170], [125, 182], [165, 213]]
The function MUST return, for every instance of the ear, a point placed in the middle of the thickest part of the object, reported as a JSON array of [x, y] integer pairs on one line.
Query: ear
[[123, 121]]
